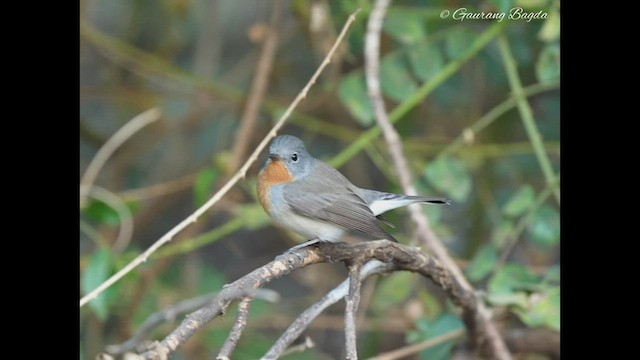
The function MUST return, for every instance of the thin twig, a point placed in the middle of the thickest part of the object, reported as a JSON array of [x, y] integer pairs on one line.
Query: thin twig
[[479, 318], [351, 310], [119, 206], [226, 187], [258, 89], [403, 352], [302, 322], [307, 344], [157, 190], [125, 132], [174, 312], [234, 336], [526, 114]]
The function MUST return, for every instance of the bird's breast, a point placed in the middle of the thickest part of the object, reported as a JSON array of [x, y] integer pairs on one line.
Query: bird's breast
[[273, 174]]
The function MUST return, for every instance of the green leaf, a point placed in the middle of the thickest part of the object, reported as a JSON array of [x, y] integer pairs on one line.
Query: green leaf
[[457, 42], [428, 330], [482, 264], [404, 26], [450, 176], [353, 94], [501, 232], [520, 201], [393, 291], [96, 273], [426, 60], [545, 227], [202, 187], [395, 77], [511, 280], [253, 215], [548, 64], [550, 30], [504, 5], [543, 309], [102, 213]]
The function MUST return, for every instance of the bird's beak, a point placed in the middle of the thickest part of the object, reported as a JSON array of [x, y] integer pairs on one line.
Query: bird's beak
[[274, 157]]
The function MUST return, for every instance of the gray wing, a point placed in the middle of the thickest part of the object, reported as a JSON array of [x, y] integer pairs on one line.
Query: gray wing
[[323, 197]]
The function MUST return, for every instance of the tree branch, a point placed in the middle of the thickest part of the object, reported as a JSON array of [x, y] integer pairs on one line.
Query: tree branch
[[234, 336], [395, 256], [226, 187], [478, 318], [351, 310]]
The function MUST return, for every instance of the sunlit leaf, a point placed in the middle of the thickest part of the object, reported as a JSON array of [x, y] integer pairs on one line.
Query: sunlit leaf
[[457, 42], [395, 78], [482, 264], [203, 184], [545, 227], [550, 30], [101, 213], [543, 309], [445, 324], [513, 278], [449, 176], [404, 26], [393, 291], [96, 273], [519, 202], [548, 64], [353, 94], [426, 60]]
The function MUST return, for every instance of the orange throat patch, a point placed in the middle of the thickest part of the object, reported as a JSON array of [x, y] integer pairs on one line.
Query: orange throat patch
[[275, 173]]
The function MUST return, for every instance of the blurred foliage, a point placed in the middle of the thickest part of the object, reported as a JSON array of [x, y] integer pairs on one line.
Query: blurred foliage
[[450, 93]]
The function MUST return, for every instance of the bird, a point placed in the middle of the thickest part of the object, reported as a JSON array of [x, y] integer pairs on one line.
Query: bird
[[313, 199]]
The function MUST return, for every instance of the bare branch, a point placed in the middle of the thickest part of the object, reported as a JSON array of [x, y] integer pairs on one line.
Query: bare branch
[[174, 312], [258, 88], [125, 132], [226, 187], [234, 336], [352, 300], [307, 344], [481, 319], [302, 322]]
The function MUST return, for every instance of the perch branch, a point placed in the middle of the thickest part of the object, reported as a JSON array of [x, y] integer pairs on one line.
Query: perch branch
[[480, 319], [395, 255], [226, 187], [125, 132]]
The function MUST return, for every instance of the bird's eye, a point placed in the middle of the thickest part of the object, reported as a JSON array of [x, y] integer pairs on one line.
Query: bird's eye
[[294, 157]]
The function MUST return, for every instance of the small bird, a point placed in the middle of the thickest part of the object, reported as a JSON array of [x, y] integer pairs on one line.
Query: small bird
[[316, 201]]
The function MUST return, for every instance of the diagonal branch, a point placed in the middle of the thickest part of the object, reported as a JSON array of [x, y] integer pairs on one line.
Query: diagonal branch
[[226, 187], [480, 322], [234, 336]]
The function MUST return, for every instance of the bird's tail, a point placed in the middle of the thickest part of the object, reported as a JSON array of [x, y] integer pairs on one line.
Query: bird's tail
[[380, 202]]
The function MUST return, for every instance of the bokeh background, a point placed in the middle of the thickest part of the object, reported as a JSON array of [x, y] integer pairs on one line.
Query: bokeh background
[[483, 130]]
